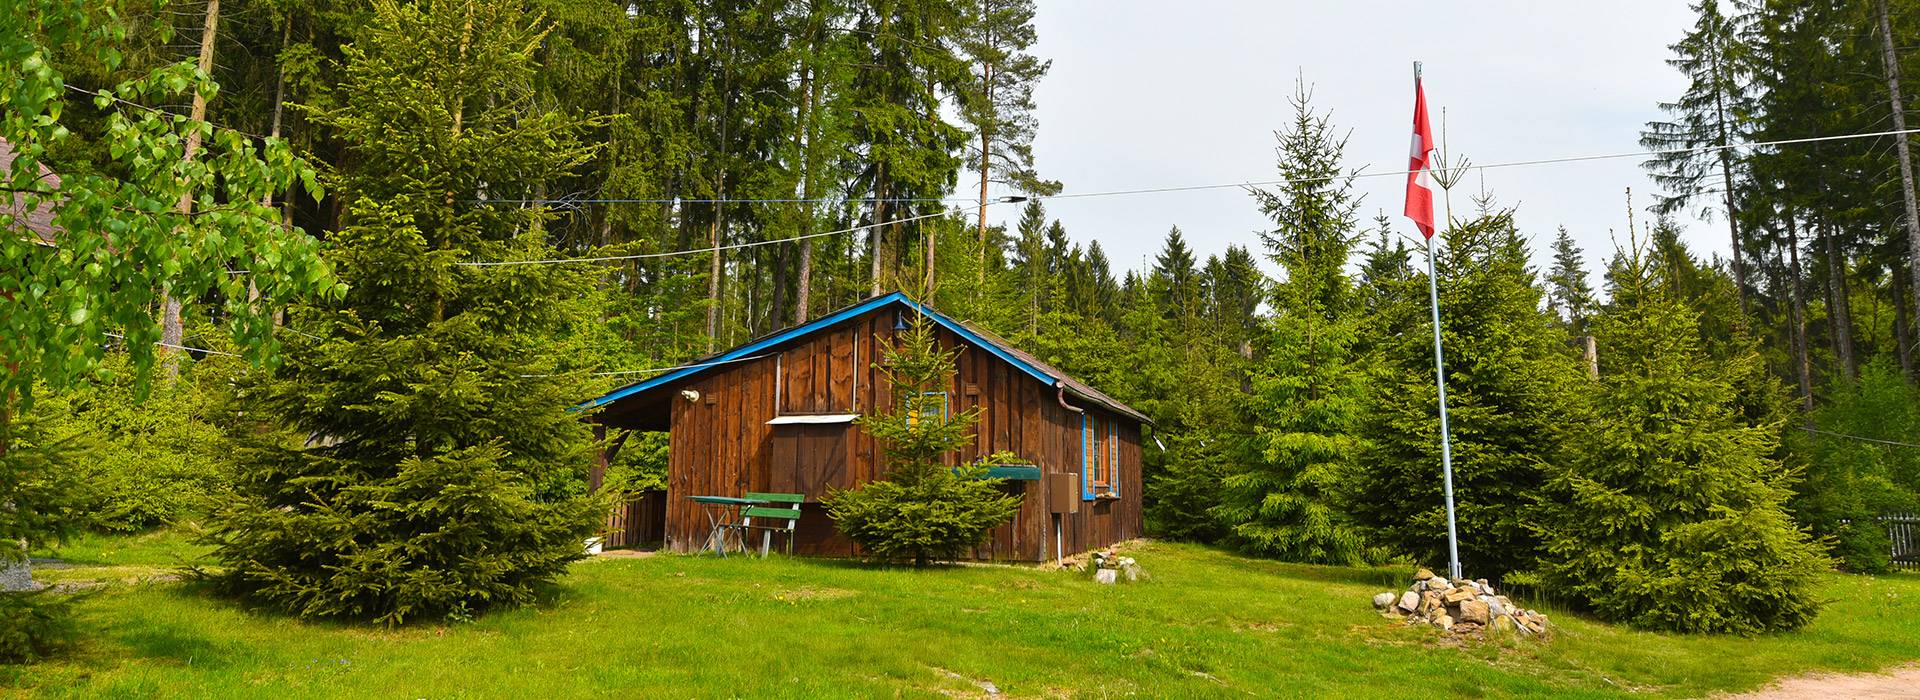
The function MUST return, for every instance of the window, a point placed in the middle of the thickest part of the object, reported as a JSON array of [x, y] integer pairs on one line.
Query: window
[[1099, 457], [933, 405]]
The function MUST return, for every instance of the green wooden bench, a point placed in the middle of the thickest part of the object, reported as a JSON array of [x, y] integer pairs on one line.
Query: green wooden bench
[[781, 514]]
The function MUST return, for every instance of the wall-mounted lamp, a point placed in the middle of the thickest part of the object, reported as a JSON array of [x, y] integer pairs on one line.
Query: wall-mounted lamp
[[690, 394]]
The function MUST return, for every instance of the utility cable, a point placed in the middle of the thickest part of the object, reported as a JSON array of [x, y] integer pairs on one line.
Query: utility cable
[[1862, 439], [180, 347], [1358, 174], [662, 369], [736, 246], [1486, 166]]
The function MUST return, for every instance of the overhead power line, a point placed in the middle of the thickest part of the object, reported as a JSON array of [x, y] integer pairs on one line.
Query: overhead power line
[[1159, 190], [696, 365], [1482, 166], [1244, 183], [179, 347], [1862, 439], [685, 200], [715, 249]]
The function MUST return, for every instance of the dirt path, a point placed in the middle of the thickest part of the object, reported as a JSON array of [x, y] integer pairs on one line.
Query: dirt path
[[1902, 682]]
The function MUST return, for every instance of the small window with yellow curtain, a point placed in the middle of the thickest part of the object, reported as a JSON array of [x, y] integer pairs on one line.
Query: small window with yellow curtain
[[933, 405]]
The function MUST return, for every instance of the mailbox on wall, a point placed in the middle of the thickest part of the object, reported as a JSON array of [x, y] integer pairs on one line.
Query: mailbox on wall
[[1063, 493]]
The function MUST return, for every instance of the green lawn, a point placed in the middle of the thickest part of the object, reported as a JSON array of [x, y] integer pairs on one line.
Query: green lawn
[[1206, 624]]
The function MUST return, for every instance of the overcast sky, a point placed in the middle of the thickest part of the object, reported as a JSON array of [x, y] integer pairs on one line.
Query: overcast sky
[[1148, 93]]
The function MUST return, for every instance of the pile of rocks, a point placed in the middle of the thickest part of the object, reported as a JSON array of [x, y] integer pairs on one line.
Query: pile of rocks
[[1110, 567], [1460, 607]]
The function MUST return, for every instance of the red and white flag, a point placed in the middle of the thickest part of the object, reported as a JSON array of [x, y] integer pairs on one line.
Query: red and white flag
[[1420, 163]]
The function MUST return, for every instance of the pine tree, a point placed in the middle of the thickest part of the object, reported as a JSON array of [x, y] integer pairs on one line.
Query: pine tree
[[1512, 386], [1030, 261], [1712, 112], [1236, 288], [426, 462], [1177, 288], [998, 104], [1671, 515], [924, 510], [1388, 265], [1568, 291], [1309, 389]]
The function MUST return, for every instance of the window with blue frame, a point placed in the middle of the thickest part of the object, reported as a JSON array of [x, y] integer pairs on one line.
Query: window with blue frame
[[933, 405], [1099, 457]]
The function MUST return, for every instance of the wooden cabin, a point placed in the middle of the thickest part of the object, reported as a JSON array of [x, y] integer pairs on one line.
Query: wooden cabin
[[776, 414], [34, 224]]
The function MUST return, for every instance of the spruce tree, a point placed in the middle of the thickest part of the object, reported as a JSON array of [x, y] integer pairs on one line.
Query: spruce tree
[[924, 510], [1386, 269], [1568, 291], [1512, 386], [1309, 391], [1671, 514], [1714, 111], [425, 461]]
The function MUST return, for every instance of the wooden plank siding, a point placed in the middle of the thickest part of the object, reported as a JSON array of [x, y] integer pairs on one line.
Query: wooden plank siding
[[721, 443]]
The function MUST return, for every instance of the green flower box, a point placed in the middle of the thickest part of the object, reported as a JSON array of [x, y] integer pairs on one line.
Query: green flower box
[[1013, 472]]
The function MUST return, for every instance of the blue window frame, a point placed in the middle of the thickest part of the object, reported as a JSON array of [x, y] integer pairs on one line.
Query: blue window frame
[[932, 409], [1086, 456], [1099, 457]]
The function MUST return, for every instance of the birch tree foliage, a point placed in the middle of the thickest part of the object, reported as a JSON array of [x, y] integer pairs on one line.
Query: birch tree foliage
[[119, 240]]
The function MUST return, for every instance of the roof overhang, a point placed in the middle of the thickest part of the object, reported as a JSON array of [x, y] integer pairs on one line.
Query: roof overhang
[[774, 341]]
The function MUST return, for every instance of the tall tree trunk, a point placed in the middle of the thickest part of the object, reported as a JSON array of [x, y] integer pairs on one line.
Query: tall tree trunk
[[714, 270], [1890, 62], [1726, 176], [14, 575], [279, 107], [1902, 327], [808, 137], [172, 333], [932, 235], [1840, 305], [874, 239], [986, 164], [1799, 315]]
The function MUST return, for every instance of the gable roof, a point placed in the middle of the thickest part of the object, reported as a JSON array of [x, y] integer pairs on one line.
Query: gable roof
[[37, 221], [978, 337]]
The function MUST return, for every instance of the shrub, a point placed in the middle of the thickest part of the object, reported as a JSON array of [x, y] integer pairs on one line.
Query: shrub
[[155, 459], [33, 625], [923, 511], [41, 499], [1850, 482], [447, 535], [1862, 547], [922, 520]]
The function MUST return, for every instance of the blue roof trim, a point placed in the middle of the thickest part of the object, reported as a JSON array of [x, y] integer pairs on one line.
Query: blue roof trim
[[811, 327], [979, 342]]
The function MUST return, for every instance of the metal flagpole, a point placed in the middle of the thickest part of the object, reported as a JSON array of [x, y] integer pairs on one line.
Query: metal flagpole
[[1440, 383], [1446, 446]]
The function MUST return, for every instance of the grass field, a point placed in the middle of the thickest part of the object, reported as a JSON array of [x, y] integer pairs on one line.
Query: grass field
[[1206, 624]]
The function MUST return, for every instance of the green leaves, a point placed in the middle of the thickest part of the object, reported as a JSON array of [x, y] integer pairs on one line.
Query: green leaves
[[67, 298]]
